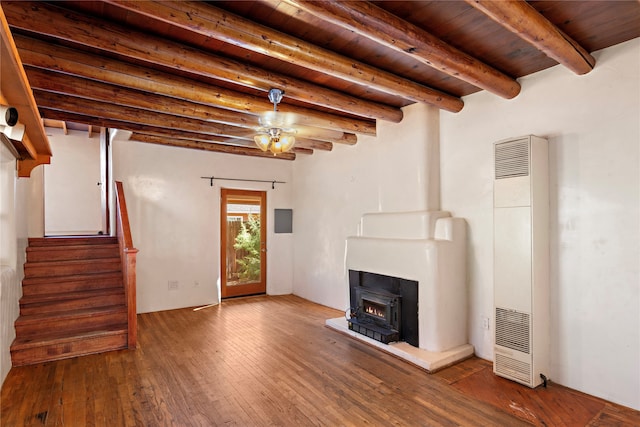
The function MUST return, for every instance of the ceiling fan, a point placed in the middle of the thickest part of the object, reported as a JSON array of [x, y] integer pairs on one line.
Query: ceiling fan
[[275, 133]]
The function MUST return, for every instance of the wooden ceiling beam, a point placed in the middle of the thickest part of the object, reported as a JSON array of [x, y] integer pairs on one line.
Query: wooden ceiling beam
[[53, 114], [90, 89], [210, 21], [313, 144], [169, 134], [307, 144], [521, 18], [375, 23], [41, 54], [218, 148], [51, 21], [189, 143], [157, 128], [60, 83], [92, 108], [101, 109]]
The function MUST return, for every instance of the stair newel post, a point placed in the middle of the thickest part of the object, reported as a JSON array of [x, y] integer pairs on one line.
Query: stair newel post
[[129, 277], [128, 257]]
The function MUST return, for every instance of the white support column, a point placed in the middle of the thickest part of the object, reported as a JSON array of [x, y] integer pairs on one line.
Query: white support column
[[432, 140]]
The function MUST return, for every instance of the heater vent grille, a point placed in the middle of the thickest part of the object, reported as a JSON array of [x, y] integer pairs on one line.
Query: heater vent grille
[[512, 330], [512, 159], [512, 368]]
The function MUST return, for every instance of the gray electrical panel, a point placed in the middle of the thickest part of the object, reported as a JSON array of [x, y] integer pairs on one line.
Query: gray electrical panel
[[283, 220]]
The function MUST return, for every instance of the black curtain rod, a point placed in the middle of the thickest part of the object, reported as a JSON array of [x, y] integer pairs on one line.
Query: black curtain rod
[[273, 182]]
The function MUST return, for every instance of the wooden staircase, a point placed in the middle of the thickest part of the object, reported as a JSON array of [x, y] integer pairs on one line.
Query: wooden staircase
[[73, 301], [78, 294]]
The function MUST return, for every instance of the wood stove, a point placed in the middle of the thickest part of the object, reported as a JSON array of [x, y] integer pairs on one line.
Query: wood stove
[[383, 308], [377, 315]]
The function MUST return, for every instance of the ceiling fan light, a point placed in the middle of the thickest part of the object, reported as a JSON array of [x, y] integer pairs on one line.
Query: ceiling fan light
[[287, 142], [277, 147], [262, 140]]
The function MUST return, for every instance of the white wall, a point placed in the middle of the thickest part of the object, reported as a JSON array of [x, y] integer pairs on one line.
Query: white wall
[[9, 284], [30, 205], [175, 219], [72, 196], [21, 216], [8, 176], [332, 190], [592, 123]]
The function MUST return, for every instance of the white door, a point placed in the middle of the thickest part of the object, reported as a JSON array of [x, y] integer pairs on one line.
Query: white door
[[72, 187]]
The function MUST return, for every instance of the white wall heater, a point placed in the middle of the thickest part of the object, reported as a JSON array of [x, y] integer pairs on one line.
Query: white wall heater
[[521, 260]]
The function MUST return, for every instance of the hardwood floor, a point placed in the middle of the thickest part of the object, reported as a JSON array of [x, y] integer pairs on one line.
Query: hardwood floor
[[270, 361]]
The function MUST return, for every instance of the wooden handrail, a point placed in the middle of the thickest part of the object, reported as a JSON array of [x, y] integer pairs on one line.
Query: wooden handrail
[[128, 257]]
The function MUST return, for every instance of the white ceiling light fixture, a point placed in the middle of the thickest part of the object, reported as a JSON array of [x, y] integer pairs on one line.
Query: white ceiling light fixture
[[273, 135]]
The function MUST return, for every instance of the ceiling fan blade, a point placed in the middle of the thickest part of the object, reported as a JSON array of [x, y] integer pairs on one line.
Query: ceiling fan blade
[[294, 123], [276, 119], [318, 133]]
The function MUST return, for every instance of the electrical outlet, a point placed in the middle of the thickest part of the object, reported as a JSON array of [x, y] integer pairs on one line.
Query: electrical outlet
[[485, 323], [173, 285]]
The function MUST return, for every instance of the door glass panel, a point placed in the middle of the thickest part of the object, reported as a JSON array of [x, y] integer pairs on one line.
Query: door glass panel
[[243, 242]]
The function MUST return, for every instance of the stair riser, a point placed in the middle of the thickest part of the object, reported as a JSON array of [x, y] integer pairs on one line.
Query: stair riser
[[83, 323], [67, 350], [49, 241], [67, 268], [87, 252], [70, 286], [74, 304]]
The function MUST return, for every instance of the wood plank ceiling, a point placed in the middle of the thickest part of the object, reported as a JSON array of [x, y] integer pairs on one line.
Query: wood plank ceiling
[[196, 74]]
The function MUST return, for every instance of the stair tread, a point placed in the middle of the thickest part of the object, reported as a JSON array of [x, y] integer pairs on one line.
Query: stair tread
[[70, 261], [72, 277], [71, 240], [65, 296], [70, 247], [61, 315], [78, 271], [60, 337]]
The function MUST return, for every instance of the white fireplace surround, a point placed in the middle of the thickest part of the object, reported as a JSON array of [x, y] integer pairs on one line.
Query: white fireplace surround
[[430, 248]]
